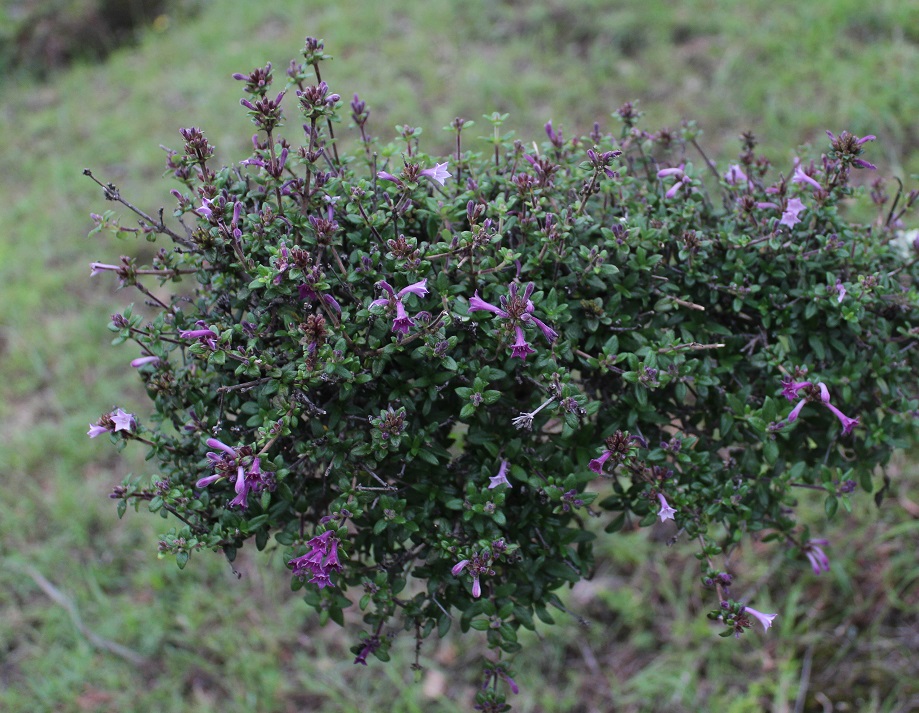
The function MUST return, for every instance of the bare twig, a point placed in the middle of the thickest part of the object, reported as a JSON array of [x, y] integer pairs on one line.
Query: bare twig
[[59, 598]]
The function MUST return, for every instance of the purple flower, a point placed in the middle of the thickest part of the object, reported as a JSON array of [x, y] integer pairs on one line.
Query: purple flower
[[790, 215], [862, 163], [371, 644], [205, 335], [790, 388], [439, 173], [123, 421], [817, 557], [401, 322], [666, 512], [205, 209], [596, 465], [550, 334], [478, 565], [554, 136], [501, 477], [682, 180], [144, 360], [735, 175], [847, 423], [796, 411], [209, 480], [214, 443], [96, 430], [663, 173], [518, 310], [320, 561], [801, 177], [790, 391], [242, 489], [764, 619], [117, 420], [477, 304], [521, 348], [384, 176], [840, 291], [97, 267]]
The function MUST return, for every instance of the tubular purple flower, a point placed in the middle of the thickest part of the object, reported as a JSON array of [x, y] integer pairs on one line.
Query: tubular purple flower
[[675, 188], [196, 333], [97, 267], [554, 136], [459, 567], [477, 304], [144, 360], [476, 587], [801, 177], [96, 430], [596, 465], [793, 416], [332, 561], [663, 173], [205, 334], [439, 173], [521, 349], [332, 302], [321, 580], [416, 288], [847, 423], [242, 489], [550, 334], [764, 619], [824, 392], [790, 389], [862, 163], [501, 477], [214, 443], [666, 512], [384, 176], [840, 291], [402, 322], [817, 557], [209, 480]]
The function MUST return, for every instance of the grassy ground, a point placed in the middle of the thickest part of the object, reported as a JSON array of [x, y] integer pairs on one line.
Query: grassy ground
[[76, 584]]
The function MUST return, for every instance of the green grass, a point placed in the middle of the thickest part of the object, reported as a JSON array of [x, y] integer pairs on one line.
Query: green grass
[[209, 641]]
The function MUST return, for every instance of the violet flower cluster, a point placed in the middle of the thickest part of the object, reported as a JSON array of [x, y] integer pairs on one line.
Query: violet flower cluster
[[392, 300], [814, 392], [517, 310], [320, 562]]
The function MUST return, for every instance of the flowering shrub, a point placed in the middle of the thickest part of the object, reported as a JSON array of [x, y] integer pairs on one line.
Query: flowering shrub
[[433, 382]]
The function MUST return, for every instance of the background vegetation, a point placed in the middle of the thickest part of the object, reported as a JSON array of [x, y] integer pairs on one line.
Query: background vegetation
[[90, 620]]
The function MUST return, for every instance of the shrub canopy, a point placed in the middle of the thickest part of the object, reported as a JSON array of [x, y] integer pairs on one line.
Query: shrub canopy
[[424, 377]]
